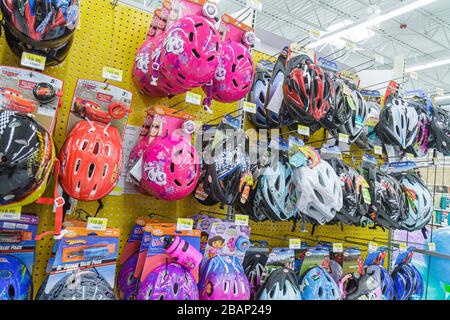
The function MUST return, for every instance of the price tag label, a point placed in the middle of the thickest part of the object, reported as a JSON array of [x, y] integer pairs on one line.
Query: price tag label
[[241, 220], [338, 247], [112, 74], [432, 246], [33, 61], [10, 214], [343, 137], [409, 156], [97, 224], [402, 247], [295, 244], [298, 49], [249, 107], [440, 91], [414, 75], [378, 150], [193, 98], [350, 102], [185, 224], [366, 196], [350, 45], [372, 247], [303, 130], [314, 33]]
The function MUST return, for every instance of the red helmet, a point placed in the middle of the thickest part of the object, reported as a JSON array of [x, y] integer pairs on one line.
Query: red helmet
[[320, 92], [91, 160]]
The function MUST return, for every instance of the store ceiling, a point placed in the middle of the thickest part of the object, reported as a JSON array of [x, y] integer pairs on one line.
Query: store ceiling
[[424, 39]]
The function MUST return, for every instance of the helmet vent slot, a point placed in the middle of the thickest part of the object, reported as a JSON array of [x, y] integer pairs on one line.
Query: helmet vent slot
[[105, 170], [178, 183], [96, 148], [191, 36], [196, 54], [91, 171]]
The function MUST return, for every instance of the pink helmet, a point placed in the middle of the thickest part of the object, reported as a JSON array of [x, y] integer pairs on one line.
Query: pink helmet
[[223, 278], [191, 51], [146, 74], [234, 75], [170, 168]]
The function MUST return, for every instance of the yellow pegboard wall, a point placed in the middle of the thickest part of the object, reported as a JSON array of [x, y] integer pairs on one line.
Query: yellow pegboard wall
[[110, 36]]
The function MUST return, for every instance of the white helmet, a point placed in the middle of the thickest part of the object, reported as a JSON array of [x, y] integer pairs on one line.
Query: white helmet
[[319, 192]]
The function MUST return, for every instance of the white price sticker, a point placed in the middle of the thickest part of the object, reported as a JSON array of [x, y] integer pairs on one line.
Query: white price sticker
[[295, 243], [372, 247], [97, 224], [241, 220], [303, 130], [314, 33], [33, 61], [338, 247], [112, 74], [432, 246], [193, 98], [10, 214], [249, 107], [378, 150], [185, 224]]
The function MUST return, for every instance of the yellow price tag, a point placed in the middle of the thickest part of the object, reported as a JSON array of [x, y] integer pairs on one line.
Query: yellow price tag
[[11, 213], [432, 246], [366, 196], [378, 150], [97, 224], [295, 243], [33, 61], [409, 156], [185, 224], [112, 74], [241, 220], [303, 130], [338, 247], [350, 45], [193, 98], [343, 138], [402, 247], [249, 107], [372, 247], [314, 33]]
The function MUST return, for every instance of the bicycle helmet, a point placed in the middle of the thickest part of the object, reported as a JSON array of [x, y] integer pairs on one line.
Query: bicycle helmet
[[127, 283], [317, 284], [171, 168], [259, 96], [339, 112], [398, 123], [15, 279], [348, 213], [191, 51], [281, 284], [387, 284], [168, 282], [234, 75], [419, 202], [254, 267], [81, 285], [41, 27], [223, 278], [368, 286], [91, 160], [275, 188], [408, 283], [319, 192], [368, 138], [26, 159], [440, 130], [321, 93]]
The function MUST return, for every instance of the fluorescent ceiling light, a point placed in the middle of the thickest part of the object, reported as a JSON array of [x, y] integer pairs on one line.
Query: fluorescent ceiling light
[[430, 65], [371, 22]]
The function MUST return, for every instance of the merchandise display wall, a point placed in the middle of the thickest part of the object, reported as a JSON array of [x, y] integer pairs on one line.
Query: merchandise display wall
[[110, 35]]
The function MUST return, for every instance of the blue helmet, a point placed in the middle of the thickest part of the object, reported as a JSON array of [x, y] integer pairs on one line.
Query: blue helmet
[[280, 285], [408, 282], [258, 94], [387, 284], [418, 287], [317, 284], [15, 279]]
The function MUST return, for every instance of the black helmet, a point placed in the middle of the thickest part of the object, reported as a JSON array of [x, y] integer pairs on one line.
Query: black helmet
[[40, 26], [440, 130], [26, 159]]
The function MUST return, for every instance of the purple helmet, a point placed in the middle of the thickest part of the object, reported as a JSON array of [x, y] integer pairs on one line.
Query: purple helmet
[[168, 282], [126, 282], [223, 278]]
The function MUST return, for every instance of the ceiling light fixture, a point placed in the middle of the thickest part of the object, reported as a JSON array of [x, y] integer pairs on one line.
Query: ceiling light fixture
[[370, 23], [430, 65]]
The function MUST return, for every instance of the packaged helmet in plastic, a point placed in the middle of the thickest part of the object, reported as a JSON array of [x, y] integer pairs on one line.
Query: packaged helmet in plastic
[[26, 159], [368, 286], [168, 282], [127, 283], [254, 267], [15, 279], [191, 50], [281, 284], [91, 160], [317, 284], [223, 278]]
